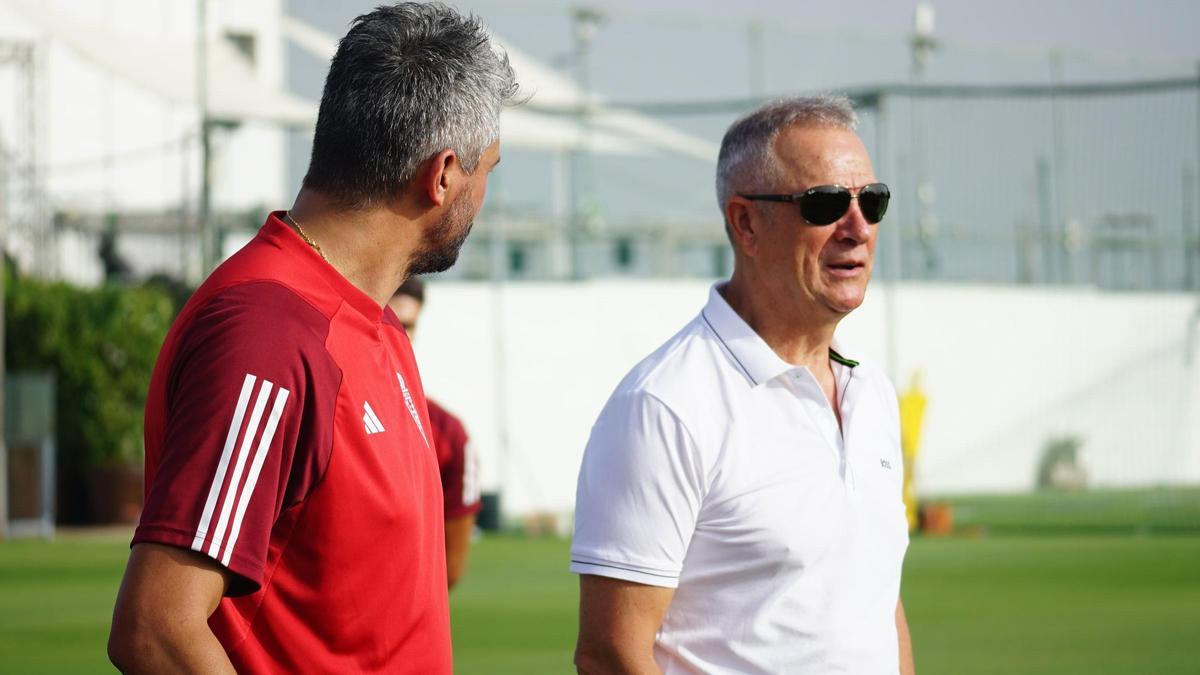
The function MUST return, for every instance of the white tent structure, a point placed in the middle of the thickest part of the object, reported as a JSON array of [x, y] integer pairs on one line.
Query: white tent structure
[[536, 125], [236, 93], [167, 67], [124, 121]]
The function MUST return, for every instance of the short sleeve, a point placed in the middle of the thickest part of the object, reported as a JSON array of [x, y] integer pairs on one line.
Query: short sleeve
[[639, 494], [457, 463], [247, 428]]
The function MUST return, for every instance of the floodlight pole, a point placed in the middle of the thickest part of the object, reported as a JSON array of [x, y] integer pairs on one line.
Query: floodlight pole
[[893, 251], [923, 44], [1061, 246], [586, 20], [208, 253], [498, 249], [757, 77], [1194, 249]]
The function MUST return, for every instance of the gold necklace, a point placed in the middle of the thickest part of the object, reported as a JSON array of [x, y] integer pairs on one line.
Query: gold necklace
[[307, 239]]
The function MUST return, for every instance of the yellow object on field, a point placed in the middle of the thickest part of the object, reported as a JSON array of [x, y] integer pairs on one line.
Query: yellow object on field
[[912, 413]]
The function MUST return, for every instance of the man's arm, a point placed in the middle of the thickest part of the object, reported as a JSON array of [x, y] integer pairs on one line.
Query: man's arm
[[618, 621], [907, 666], [160, 623], [458, 542]]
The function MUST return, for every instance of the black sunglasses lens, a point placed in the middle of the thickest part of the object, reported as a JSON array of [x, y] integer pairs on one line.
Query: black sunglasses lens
[[824, 205], [873, 200]]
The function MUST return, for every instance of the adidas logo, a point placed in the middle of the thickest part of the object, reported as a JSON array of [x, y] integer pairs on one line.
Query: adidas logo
[[371, 420]]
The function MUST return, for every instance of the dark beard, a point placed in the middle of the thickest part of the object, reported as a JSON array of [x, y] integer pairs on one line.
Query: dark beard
[[443, 242]]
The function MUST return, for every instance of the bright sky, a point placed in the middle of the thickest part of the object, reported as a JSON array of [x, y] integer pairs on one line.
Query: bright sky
[[701, 49], [1147, 28]]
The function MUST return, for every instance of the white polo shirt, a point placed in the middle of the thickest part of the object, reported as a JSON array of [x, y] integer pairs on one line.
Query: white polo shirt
[[720, 470]]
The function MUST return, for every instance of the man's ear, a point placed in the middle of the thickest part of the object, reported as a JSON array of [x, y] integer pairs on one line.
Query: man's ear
[[743, 230], [438, 172]]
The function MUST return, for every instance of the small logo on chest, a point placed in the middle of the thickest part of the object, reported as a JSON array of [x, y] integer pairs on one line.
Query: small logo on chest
[[371, 420], [885, 464]]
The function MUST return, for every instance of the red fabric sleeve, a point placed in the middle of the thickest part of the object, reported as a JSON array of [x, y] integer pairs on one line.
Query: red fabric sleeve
[[248, 427], [457, 462]]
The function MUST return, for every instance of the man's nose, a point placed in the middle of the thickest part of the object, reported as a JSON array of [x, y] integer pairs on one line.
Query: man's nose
[[854, 226]]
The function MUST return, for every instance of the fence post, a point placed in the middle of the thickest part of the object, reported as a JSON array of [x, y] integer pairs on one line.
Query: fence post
[[3, 402], [1193, 246]]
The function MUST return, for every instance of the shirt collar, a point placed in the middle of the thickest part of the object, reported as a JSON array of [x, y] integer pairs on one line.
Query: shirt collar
[[286, 238], [757, 360], [840, 353], [753, 355]]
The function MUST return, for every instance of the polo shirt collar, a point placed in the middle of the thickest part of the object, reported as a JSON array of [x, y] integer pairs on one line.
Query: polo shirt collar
[[285, 237], [753, 355]]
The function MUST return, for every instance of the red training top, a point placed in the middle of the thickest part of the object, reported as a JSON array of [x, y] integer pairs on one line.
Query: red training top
[[287, 438], [457, 461]]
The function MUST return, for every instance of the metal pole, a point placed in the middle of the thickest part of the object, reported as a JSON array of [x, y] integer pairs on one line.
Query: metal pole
[[923, 44], [891, 287], [1062, 200], [207, 240], [756, 58], [1195, 243], [585, 22], [498, 250], [1046, 219], [1189, 237]]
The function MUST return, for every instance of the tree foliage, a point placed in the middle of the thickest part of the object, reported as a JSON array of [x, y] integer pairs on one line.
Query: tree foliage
[[101, 344]]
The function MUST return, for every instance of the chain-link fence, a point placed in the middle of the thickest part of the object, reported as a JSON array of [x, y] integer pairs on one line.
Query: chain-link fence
[[1086, 173]]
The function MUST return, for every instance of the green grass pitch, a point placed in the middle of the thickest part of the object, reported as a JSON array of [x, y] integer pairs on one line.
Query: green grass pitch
[[1061, 604]]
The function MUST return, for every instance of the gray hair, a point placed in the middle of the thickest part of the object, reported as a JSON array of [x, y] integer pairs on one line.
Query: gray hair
[[747, 160], [408, 81]]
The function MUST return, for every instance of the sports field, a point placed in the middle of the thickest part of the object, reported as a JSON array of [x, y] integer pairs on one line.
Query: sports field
[[1126, 601]]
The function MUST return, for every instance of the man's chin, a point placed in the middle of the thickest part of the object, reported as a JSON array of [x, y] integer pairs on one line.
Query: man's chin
[[843, 305], [441, 259], [432, 262]]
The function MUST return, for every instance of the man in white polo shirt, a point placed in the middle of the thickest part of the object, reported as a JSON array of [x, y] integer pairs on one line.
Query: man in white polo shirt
[[739, 505]]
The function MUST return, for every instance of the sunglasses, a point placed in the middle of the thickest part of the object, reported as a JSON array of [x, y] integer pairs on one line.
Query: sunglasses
[[826, 204]]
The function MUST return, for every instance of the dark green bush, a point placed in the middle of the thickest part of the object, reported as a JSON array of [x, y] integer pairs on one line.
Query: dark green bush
[[101, 343]]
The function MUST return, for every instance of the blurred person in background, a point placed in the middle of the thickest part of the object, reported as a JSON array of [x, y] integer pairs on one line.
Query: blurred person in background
[[739, 504], [293, 517], [456, 458]]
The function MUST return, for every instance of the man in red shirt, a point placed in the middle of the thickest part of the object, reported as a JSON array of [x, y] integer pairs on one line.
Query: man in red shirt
[[456, 458], [293, 518]]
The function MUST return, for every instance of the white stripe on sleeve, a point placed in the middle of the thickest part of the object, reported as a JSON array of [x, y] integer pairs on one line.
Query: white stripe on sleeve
[[264, 392], [223, 465], [259, 456]]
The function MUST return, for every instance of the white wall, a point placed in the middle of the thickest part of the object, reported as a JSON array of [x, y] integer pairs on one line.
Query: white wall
[[1005, 369]]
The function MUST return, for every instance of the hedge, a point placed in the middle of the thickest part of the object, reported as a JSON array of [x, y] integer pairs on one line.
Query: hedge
[[101, 343]]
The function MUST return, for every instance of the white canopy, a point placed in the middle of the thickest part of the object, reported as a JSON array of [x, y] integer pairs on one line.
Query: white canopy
[[552, 90], [612, 130], [167, 68]]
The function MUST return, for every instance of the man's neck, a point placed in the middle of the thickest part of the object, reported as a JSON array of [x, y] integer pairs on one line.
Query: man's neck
[[801, 338], [370, 247]]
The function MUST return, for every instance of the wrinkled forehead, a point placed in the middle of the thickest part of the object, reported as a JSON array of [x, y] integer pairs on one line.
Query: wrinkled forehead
[[808, 156]]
